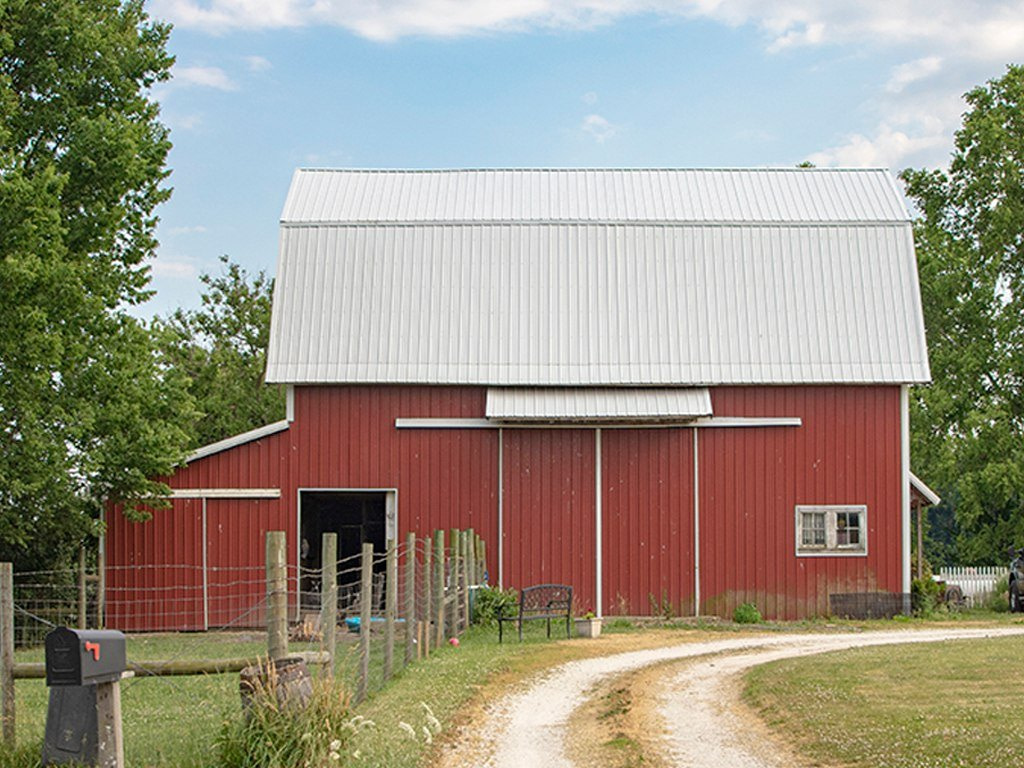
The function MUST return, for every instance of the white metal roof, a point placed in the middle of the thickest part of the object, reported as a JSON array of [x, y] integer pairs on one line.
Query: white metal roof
[[597, 404], [480, 288], [552, 195]]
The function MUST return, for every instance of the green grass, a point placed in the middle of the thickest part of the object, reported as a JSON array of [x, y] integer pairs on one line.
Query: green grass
[[928, 705], [168, 721]]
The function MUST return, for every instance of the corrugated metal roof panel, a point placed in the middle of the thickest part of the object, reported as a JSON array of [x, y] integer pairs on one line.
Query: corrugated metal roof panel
[[597, 305], [773, 195], [597, 404]]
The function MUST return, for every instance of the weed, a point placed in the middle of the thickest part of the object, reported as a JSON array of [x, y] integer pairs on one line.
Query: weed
[[746, 613]]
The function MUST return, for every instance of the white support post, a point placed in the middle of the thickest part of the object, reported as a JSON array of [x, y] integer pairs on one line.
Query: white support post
[[696, 527], [905, 484], [599, 597], [501, 508], [206, 572]]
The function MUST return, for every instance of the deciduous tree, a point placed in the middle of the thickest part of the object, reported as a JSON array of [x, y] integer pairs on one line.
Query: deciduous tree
[[87, 410], [222, 348], [968, 426]]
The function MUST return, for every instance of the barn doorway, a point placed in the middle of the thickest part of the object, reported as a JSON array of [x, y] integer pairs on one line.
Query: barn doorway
[[358, 517]]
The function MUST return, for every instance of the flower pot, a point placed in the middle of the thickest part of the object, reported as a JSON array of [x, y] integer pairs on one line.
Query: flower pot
[[588, 627]]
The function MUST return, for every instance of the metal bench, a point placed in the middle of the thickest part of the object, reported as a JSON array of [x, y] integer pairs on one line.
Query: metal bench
[[544, 602]]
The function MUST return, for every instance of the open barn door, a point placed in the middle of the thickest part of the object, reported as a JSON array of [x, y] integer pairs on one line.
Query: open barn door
[[357, 517]]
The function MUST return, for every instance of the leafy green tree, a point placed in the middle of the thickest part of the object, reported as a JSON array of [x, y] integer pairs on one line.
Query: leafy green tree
[[87, 411], [968, 426], [222, 349]]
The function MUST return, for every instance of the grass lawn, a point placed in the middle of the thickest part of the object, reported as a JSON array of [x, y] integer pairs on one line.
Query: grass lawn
[[928, 705], [168, 721]]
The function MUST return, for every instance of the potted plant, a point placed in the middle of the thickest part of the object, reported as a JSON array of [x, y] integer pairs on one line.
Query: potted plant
[[588, 625]]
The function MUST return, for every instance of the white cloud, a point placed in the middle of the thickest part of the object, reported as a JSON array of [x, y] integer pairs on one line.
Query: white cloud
[[589, 98], [197, 229], [991, 30], [173, 268], [912, 71], [888, 148], [184, 122], [598, 127], [205, 77], [257, 63]]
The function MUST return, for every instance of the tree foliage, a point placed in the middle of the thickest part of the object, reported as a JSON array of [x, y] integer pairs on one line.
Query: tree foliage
[[221, 348], [968, 426], [87, 411]]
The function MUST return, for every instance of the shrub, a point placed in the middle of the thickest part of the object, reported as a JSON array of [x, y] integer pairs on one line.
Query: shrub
[[491, 601], [999, 599], [273, 733], [746, 614], [924, 596]]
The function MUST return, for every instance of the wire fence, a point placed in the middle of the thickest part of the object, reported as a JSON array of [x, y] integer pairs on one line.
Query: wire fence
[[360, 617]]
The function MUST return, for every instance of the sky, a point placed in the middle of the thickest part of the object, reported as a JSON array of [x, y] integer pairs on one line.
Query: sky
[[262, 87]]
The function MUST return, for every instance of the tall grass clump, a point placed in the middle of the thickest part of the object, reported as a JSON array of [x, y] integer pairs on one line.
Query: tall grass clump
[[24, 756], [275, 730], [999, 600]]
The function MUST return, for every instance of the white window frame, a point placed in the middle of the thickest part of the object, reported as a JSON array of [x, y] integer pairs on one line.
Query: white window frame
[[831, 548]]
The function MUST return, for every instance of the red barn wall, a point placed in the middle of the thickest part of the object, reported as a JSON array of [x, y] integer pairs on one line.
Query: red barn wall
[[847, 451]]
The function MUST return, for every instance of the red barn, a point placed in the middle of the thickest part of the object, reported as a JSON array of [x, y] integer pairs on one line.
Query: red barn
[[673, 389]]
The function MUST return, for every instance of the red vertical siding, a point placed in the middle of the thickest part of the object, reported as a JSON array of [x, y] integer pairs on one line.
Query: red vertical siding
[[847, 451], [751, 479], [647, 520], [549, 510]]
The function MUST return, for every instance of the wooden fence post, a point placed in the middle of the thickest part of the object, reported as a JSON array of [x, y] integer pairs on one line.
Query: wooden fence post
[[410, 596], [483, 561], [365, 618], [390, 607], [329, 597], [439, 587], [101, 582], [455, 604], [428, 595], [277, 596], [82, 619], [7, 650], [470, 570]]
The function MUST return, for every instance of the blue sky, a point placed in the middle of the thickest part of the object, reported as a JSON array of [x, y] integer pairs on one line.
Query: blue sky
[[262, 87]]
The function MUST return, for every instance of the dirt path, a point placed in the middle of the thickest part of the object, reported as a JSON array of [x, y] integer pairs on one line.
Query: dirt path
[[694, 702]]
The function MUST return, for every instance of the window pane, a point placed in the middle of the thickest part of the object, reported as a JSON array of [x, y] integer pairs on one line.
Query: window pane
[[847, 529], [812, 529]]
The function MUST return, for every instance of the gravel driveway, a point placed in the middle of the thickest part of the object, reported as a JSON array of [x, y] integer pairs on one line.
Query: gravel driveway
[[528, 727]]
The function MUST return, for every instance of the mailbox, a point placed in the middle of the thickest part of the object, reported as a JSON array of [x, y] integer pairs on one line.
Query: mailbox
[[84, 656]]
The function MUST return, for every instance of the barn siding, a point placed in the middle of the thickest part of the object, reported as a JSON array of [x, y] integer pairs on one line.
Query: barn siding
[[647, 514], [846, 452], [549, 510]]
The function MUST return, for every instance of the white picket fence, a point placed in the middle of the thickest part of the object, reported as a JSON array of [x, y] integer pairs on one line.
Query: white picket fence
[[977, 582]]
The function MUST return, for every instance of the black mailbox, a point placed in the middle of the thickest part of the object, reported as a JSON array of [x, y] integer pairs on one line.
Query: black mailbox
[[84, 656]]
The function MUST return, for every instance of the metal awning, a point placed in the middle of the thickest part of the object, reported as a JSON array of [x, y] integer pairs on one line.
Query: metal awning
[[597, 404]]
